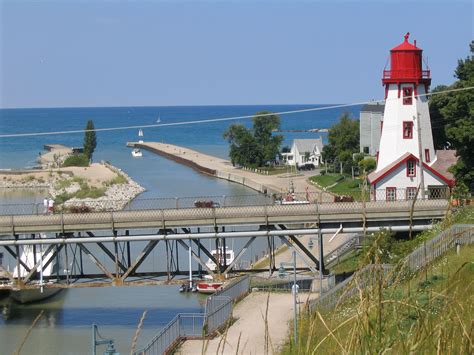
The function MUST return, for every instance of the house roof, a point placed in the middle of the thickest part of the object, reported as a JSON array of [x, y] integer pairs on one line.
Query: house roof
[[307, 145], [444, 160], [379, 108], [374, 177]]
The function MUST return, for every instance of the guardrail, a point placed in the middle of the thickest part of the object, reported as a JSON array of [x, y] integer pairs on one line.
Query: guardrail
[[342, 250], [183, 325], [462, 234], [176, 218], [236, 290], [341, 292], [217, 313], [106, 205]]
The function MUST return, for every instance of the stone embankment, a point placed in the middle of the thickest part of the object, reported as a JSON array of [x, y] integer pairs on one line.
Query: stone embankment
[[116, 197], [117, 187], [223, 169]]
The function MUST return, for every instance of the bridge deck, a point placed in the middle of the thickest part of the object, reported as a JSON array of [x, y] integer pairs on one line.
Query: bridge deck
[[328, 213]]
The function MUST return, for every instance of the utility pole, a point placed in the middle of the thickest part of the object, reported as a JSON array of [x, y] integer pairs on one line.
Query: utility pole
[[420, 155]]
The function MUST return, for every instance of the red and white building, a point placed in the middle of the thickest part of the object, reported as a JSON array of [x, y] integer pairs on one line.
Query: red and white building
[[406, 133]]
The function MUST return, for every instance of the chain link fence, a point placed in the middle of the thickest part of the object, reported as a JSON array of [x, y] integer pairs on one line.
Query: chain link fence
[[294, 199]]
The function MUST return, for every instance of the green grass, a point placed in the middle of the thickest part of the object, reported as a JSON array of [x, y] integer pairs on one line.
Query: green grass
[[398, 246], [326, 180], [428, 313], [118, 180], [344, 184]]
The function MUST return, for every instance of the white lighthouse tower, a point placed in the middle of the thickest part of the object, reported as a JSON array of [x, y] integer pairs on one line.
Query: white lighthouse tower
[[406, 136]]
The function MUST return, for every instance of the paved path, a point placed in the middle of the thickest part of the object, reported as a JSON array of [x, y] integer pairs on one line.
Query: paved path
[[247, 334]]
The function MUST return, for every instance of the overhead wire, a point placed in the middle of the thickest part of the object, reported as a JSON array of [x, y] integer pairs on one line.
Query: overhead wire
[[222, 119]]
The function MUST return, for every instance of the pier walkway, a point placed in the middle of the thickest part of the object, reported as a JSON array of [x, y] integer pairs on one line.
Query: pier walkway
[[223, 169]]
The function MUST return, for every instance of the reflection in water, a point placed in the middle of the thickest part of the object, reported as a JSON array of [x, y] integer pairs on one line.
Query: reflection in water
[[16, 313]]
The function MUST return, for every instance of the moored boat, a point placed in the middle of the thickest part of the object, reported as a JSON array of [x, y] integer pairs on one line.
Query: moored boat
[[137, 153], [209, 286], [29, 257], [223, 258]]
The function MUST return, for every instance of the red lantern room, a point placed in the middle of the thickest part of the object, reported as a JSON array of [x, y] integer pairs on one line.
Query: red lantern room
[[406, 65]]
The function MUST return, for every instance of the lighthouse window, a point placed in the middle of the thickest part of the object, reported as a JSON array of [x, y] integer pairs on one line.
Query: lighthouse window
[[407, 130], [411, 168], [407, 96], [427, 155]]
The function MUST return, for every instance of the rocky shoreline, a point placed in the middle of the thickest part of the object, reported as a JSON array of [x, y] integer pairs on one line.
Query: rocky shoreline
[[58, 182]]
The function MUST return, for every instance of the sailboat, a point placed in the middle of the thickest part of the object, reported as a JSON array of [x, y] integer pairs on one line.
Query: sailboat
[[159, 119], [29, 256]]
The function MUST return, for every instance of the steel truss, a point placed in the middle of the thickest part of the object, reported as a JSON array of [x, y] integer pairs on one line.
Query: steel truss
[[121, 265]]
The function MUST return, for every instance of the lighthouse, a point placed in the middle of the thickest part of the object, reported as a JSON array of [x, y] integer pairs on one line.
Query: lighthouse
[[406, 159]]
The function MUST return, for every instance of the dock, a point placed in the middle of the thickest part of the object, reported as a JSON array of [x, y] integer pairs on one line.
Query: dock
[[223, 169]]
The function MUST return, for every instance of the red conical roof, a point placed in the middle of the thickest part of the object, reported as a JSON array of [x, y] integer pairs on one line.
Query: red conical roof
[[405, 46]]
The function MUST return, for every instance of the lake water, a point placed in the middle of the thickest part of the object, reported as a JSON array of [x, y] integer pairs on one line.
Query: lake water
[[65, 326]]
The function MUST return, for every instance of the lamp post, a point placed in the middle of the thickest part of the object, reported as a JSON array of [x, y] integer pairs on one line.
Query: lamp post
[[109, 342], [281, 273], [321, 256]]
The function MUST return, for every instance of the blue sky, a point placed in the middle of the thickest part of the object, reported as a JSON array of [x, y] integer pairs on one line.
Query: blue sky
[[151, 53]]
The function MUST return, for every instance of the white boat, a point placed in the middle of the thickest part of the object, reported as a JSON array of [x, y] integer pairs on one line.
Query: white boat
[[137, 153], [140, 134], [28, 257], [219, 255], [158, 120], [209, 286]]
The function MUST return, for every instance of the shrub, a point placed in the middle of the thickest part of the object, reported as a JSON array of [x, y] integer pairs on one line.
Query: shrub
[[76, 160], [118, 180]]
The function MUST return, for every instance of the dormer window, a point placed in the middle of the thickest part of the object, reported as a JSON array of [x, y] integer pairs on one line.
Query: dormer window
[[407, 130], [407, 96], [411, 168]]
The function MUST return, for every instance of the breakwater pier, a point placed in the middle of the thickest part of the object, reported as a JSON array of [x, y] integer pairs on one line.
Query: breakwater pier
[[223, 169]]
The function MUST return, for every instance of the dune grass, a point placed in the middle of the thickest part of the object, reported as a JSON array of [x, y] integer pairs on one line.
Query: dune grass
[[424, 313]]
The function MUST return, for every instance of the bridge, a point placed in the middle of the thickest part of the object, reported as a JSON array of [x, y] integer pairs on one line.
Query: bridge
[[119, 243]]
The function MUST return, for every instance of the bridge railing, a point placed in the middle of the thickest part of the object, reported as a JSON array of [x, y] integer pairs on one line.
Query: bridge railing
[[103, 204]]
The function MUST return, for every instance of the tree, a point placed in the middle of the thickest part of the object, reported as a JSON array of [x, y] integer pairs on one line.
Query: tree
[[367, 164], [255, 147], [438, 122], [90, 140], [343, 141], [457, 111]]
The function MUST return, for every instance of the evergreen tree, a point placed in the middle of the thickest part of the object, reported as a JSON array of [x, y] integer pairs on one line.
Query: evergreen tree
[[90, 140], [457, 111]]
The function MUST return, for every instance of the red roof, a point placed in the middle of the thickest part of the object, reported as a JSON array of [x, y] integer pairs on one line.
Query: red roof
[[444, 160], [374, 177], [405, 46]]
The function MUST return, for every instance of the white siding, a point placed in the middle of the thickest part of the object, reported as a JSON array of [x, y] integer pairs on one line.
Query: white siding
[[392, 143]]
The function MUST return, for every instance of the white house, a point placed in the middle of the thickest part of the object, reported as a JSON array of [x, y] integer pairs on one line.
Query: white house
[[406, 135], [305, 152]]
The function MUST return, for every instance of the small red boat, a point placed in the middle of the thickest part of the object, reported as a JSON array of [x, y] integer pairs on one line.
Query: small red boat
[[209, 287]]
